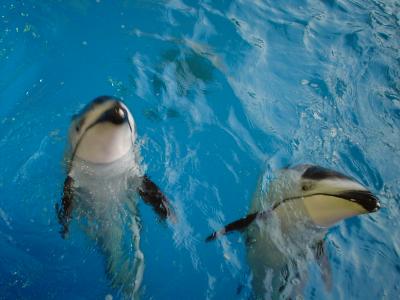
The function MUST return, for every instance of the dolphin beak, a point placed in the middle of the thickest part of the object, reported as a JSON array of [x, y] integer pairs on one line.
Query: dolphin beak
[[349, 188], [116, 115], [334, 196], [119, 115], [364, 198], [326, 209]]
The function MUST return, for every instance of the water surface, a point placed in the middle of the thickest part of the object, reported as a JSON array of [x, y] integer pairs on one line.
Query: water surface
[[219, 92]]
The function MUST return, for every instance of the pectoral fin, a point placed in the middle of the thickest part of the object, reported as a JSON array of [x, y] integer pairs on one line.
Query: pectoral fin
[[237, 225], [152, 195], [321, 257], [64, 213]]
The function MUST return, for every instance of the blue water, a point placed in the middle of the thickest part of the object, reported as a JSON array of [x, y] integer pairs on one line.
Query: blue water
[[220, 92]]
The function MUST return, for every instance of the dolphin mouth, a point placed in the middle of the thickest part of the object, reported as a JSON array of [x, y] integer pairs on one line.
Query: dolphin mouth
[[365, 198]]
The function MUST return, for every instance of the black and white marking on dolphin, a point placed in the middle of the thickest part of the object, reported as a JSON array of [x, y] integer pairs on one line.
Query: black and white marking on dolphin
[[292, 216], [104, 177]]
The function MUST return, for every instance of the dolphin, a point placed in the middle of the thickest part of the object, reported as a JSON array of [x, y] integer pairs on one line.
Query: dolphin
[[104, 179], [286, 225]]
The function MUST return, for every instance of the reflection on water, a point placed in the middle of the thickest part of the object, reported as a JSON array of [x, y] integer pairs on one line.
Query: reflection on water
[[219, 92]]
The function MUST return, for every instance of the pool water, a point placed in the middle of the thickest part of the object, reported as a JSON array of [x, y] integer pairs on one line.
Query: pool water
[[220, 93]]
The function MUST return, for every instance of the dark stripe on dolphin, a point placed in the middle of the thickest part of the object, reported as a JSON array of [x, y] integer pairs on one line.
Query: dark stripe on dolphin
[[319, 173], [364, 198], [93, 103]]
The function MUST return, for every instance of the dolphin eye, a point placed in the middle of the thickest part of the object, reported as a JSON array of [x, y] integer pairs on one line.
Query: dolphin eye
[[306, 187], [79, 125]]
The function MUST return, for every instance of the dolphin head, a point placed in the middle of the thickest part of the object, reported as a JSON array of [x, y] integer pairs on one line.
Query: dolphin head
[[103, 131], [328, 196]]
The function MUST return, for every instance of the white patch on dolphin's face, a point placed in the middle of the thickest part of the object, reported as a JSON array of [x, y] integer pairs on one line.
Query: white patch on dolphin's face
[[327, 196], [103, 131]]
